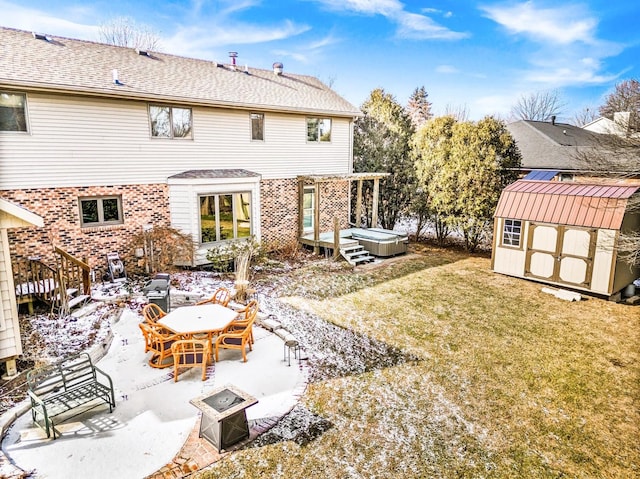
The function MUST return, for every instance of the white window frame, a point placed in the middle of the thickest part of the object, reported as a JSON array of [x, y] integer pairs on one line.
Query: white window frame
[[171, 133], [309, 190], [255, 116], [236, 196], [512, 233], [5, 93], [100, 210], [315, 125]]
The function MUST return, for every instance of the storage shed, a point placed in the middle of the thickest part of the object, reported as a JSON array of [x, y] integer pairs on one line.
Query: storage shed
[[11, 216], [565, 234]]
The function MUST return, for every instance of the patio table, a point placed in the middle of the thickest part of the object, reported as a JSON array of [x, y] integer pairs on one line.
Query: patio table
[[209, 319]]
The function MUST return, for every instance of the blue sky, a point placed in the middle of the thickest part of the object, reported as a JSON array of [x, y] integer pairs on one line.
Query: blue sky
[[481, 56]]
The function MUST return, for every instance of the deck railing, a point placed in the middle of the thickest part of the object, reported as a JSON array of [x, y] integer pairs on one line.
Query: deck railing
[[36, 280]]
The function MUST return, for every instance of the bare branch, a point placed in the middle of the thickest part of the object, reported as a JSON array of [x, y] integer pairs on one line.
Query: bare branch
[[538, 106], [125, 32]]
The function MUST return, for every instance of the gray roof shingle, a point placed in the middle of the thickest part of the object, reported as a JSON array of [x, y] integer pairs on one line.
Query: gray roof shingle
[[544, 145], [68, 65]]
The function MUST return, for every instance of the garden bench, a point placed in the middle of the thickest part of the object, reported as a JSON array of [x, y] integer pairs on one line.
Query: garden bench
[[66, 385]]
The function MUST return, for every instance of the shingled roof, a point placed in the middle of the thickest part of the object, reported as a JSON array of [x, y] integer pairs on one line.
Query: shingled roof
[[546, 145], [59, 64]]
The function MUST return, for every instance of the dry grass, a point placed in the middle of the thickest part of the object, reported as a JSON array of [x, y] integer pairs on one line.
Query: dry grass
[[513, 382]]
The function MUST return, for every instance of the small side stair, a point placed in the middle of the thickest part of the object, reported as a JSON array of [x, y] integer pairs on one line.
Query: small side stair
[[356, 254]]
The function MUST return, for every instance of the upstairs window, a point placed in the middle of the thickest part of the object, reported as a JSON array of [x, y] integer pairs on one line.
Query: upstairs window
[[225, 217], [318, 129], [257, 126], [100, 211], [511, 233], [170, 122], [13, 111]]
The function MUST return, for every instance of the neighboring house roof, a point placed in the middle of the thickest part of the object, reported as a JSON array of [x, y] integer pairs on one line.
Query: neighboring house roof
[[574, 204], [546, 145], [59, 64]]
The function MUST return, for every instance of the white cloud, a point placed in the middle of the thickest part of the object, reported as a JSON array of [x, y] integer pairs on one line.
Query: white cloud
[[199, 41], [413, 26], [31, 19], [446, 69], [564, 24]]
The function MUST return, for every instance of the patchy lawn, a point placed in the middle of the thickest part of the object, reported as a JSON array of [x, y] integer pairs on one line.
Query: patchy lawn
[[497, 379]]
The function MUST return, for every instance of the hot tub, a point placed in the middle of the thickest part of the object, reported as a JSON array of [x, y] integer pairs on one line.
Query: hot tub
[[381, 242]]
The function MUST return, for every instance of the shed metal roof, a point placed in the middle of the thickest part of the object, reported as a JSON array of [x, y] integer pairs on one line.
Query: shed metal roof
[[574, 204]]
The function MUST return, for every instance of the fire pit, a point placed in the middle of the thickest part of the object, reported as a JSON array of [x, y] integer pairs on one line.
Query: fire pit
[[224, 418]]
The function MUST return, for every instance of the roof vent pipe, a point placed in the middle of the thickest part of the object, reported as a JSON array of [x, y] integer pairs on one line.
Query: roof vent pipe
[[278, 68], [553, 119]]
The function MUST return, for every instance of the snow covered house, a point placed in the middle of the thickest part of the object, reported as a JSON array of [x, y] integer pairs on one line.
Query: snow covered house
[[104, 141], [565, 234]]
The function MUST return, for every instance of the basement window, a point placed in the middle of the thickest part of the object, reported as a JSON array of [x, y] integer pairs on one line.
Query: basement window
[[100, 211], [511, 233], [13, 111]]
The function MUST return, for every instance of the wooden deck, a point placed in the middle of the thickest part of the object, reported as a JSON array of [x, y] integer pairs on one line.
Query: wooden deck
[[326, 239]]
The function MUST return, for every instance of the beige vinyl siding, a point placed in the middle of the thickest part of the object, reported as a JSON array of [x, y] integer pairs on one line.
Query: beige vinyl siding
[[10, 344], [509, 260], [75, 141]]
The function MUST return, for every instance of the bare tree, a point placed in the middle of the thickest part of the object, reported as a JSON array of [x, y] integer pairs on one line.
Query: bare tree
[[125, 32], [624, 98], [585, 116], [617, 156], [538, 106], [457, 112]]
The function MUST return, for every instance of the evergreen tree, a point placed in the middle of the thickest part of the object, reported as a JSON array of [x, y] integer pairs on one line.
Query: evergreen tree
[[419, 108], [381, 144]]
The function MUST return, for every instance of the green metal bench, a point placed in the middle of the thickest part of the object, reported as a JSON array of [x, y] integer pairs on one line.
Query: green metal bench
[[68, 384]]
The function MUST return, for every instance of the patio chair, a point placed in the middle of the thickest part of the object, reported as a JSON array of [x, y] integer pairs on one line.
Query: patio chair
[[152, 313], [190, 353], [245, 316], [221, 296], [159, 343], [236, 340]]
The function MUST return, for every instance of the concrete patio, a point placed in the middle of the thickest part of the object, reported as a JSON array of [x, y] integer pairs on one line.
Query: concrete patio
[[153, 431]]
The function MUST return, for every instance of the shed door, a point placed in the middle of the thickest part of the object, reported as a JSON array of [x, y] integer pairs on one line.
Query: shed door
[[560, 254]]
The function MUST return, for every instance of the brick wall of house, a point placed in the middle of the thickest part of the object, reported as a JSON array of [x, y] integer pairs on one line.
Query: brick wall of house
[[280, 215], [141, 205], [149, 204]]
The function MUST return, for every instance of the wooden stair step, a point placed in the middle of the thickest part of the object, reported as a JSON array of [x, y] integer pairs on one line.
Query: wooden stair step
[[346, 249], [76, 300], [361, 259]]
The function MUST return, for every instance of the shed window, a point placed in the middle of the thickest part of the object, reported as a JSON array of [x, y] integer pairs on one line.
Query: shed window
[[100, 211], [13, 111], [225, 217], [512, 232]]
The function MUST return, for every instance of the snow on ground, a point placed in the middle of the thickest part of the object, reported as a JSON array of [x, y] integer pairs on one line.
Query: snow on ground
[[329, 351]]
